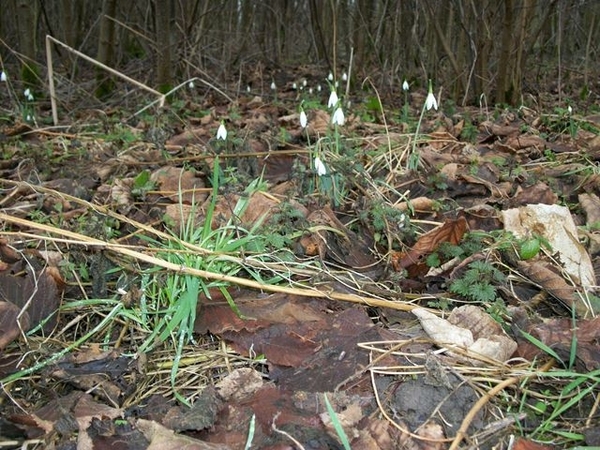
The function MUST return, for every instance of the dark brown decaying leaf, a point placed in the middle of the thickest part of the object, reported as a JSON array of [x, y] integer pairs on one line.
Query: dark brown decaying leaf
[[450, 231], [9, 328], [558, 335]]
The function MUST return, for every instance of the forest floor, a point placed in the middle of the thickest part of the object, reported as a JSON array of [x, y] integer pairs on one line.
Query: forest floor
[[406, 278]]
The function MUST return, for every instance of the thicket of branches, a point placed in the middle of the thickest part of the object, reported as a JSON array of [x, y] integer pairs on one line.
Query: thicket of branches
[[503, 49]]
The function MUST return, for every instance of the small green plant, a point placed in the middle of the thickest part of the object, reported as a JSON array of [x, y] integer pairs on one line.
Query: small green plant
[[142, 185], [469, 131], [478, 283]]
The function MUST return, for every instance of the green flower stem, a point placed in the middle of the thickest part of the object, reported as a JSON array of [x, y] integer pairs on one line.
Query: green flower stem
[[413, 157]]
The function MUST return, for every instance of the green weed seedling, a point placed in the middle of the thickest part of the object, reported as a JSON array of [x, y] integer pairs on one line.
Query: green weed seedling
[[478, 282]]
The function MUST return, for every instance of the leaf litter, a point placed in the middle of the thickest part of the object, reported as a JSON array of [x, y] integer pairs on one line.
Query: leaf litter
[[340, 322]]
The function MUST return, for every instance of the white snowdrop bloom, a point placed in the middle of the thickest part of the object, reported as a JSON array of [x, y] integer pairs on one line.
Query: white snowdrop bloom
[[569, 109], [338, 117], [405, 86], [320, 167], [222, 132], [431, 102], [28, 95], [330, 76], [273, 86], [304, 82], [2, 76], [319, 88], [303, 119], [191, 85], [310, 90], [294, 86], [333, 100], [344, 76]]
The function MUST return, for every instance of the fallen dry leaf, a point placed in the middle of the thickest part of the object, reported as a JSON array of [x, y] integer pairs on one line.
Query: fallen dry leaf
[[590, 203], [450, 231], [471, 328], [555, 285]]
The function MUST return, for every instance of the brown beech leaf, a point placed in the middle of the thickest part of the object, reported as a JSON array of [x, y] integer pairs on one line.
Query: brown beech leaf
[[9, 328], [590, 203], [554, 284], [450, 231]]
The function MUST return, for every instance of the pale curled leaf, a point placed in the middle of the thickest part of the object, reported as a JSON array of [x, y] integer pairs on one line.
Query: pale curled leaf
[[442, 331]]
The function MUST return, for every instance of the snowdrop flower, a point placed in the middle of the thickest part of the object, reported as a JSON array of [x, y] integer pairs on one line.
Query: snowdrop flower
[[338, 117], [344, 76], [333, 100], [222, 132], [336, 84], [273, 86], [330, 76], [310, 90], [2, 76], [303, 119], [29, 118], [304, 82], [320, 167], [405, 86], [191, 85], [319, 88], [430, 101], [294, 86], [28, 95], [569, 110]]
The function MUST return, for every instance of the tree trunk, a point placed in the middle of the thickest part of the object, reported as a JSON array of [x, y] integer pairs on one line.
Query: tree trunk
[[162, 23], [26, 19], [106, 45]]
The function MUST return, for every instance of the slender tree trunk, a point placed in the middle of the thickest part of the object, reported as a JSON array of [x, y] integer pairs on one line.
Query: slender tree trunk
[[106, 46], [504, 63], [162, 21], [26, 19]]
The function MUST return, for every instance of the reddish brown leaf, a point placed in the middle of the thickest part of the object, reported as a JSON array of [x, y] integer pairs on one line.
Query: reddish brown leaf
[[9, 328], [558, 335], [450, 231], [524, 444]]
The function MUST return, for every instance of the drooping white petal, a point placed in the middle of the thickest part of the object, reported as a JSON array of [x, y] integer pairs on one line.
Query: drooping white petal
[[191, 85], [338, 117], [303, 119], [405, 86], [2, 76], [344, 76], [333, 100], [320, 167], [431, 102], [222, 132], [273, 86]]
